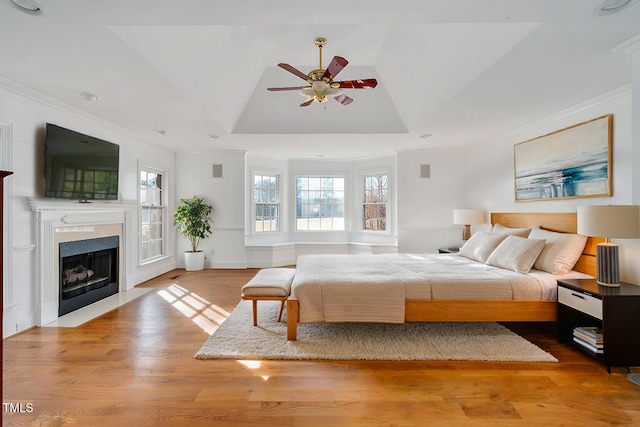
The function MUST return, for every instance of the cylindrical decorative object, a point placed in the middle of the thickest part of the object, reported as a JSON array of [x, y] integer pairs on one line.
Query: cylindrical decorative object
[[608, 264]]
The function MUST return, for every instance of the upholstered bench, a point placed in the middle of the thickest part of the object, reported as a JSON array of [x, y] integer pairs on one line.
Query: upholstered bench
[[269, 284]]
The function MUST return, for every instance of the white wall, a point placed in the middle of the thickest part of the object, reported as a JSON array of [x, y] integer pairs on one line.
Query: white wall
[[225, 248], [491, 174], [26, 118], [629, 265], [425, 205]]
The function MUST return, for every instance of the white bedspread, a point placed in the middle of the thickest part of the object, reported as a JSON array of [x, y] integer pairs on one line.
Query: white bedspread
[[373, 288]]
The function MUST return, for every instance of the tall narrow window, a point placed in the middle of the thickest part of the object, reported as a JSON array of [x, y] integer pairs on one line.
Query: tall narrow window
[[319, 203], [376, 196], [267, 202], [152, 215]]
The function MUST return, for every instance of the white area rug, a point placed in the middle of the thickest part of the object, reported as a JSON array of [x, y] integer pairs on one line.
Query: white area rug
[[237, 338]]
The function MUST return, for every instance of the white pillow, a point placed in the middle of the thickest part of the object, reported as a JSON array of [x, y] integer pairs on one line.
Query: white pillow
[[561, 251], [520, 232], [516, 253], [480, 245]]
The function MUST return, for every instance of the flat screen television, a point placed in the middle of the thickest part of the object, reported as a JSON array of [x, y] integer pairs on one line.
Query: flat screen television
[[79, 167]]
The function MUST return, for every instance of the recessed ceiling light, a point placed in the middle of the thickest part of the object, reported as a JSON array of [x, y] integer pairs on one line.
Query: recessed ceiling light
[[89, 96], [609, 7], [27, 6]]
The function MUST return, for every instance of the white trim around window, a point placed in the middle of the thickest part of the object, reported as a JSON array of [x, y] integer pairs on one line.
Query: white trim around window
[[152, 214], [266, 202], [321, 203], [385, 204]]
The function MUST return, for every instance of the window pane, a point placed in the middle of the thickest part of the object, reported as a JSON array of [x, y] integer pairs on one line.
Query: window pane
[[314, 184], [155, 215], [302, 183], [265, 197], [375, 199], [151, 213], [321, 203], [145, 216]]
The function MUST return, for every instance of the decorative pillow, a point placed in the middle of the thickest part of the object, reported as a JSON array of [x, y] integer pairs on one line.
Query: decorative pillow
[[480, 245], [516, 253], [560, 253], [520, 232]]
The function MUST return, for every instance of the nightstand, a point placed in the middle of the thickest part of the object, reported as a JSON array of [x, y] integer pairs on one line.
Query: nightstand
[[448, 250], [616, 311]]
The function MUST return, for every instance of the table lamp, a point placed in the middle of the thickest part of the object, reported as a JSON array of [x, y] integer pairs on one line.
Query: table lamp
[[609, 221], [467, 217]]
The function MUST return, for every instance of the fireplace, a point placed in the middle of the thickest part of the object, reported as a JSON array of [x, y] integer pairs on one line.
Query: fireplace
[[88, 272]]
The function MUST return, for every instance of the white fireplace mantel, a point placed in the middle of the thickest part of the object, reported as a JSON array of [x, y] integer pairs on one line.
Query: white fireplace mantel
[[56, 219], [52, 205]]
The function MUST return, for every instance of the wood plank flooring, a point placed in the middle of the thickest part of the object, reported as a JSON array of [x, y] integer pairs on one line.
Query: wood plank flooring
[[135, 366]]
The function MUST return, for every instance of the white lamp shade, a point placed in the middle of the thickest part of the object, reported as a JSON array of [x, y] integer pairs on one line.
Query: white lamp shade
[[609, 221], [468, 216]]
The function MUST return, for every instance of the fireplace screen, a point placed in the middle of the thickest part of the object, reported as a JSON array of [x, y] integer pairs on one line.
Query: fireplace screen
[[88, 272]]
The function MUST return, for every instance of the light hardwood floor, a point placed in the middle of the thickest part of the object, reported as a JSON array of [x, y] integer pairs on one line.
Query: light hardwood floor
[[135, 366]]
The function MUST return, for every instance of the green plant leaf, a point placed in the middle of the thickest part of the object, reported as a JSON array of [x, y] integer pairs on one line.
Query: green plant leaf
[[193, 220]]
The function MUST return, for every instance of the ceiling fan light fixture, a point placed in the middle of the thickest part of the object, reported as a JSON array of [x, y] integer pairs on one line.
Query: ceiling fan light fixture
[[321, 81]]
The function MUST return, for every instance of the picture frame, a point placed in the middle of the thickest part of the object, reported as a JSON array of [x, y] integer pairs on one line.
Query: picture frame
[[569, 163]]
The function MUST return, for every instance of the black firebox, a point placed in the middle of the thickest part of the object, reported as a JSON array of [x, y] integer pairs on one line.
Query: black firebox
[[88, 272]]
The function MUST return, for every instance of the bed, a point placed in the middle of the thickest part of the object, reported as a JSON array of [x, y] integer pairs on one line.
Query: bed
[[396, 288]]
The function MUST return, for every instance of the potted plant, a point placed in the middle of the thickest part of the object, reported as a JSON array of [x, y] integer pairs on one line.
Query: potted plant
[[192, 218]]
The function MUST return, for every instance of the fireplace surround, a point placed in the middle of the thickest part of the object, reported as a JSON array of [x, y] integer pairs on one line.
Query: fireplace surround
[[60, 222]]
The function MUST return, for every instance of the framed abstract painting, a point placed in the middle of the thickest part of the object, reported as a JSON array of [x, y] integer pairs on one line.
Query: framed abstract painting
[[568, 163]]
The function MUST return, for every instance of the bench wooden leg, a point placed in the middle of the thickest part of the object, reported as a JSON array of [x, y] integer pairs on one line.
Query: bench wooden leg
[[254, 304], [292, 319], [281, 309]]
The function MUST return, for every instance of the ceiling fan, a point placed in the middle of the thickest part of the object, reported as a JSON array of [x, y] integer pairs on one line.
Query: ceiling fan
[[321, 81]]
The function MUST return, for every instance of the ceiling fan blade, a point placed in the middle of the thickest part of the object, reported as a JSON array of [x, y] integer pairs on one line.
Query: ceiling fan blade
[[307, 103], [358, 84], [336, 65], [278, 89], [343, 99], [293, 70]]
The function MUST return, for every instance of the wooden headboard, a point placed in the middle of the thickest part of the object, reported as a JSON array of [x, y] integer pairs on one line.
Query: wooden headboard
[[564, 222]]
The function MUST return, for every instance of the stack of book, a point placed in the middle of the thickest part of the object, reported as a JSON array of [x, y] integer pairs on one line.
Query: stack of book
[[589, 337]]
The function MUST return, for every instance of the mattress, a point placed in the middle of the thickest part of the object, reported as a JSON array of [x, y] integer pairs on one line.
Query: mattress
[[374, 287]]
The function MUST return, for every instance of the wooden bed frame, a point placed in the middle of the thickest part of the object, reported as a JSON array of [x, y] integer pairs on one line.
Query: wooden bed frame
[[494, 310]]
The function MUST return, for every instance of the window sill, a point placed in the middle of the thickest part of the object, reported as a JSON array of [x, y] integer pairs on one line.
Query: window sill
[[154, 260]]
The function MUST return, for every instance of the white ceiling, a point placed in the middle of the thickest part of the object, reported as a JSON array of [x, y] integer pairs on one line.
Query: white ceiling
[[463, 71]]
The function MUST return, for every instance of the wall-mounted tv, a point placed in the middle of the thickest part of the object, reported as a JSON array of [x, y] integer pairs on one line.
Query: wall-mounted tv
[[79, 167]]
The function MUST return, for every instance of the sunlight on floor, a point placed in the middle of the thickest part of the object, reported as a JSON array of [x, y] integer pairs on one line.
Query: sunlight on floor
[[206, 315], [253, 365]]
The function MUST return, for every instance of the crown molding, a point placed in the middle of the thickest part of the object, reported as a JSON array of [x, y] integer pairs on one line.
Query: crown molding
[[40, 98], [628, 46], [593, 102]]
